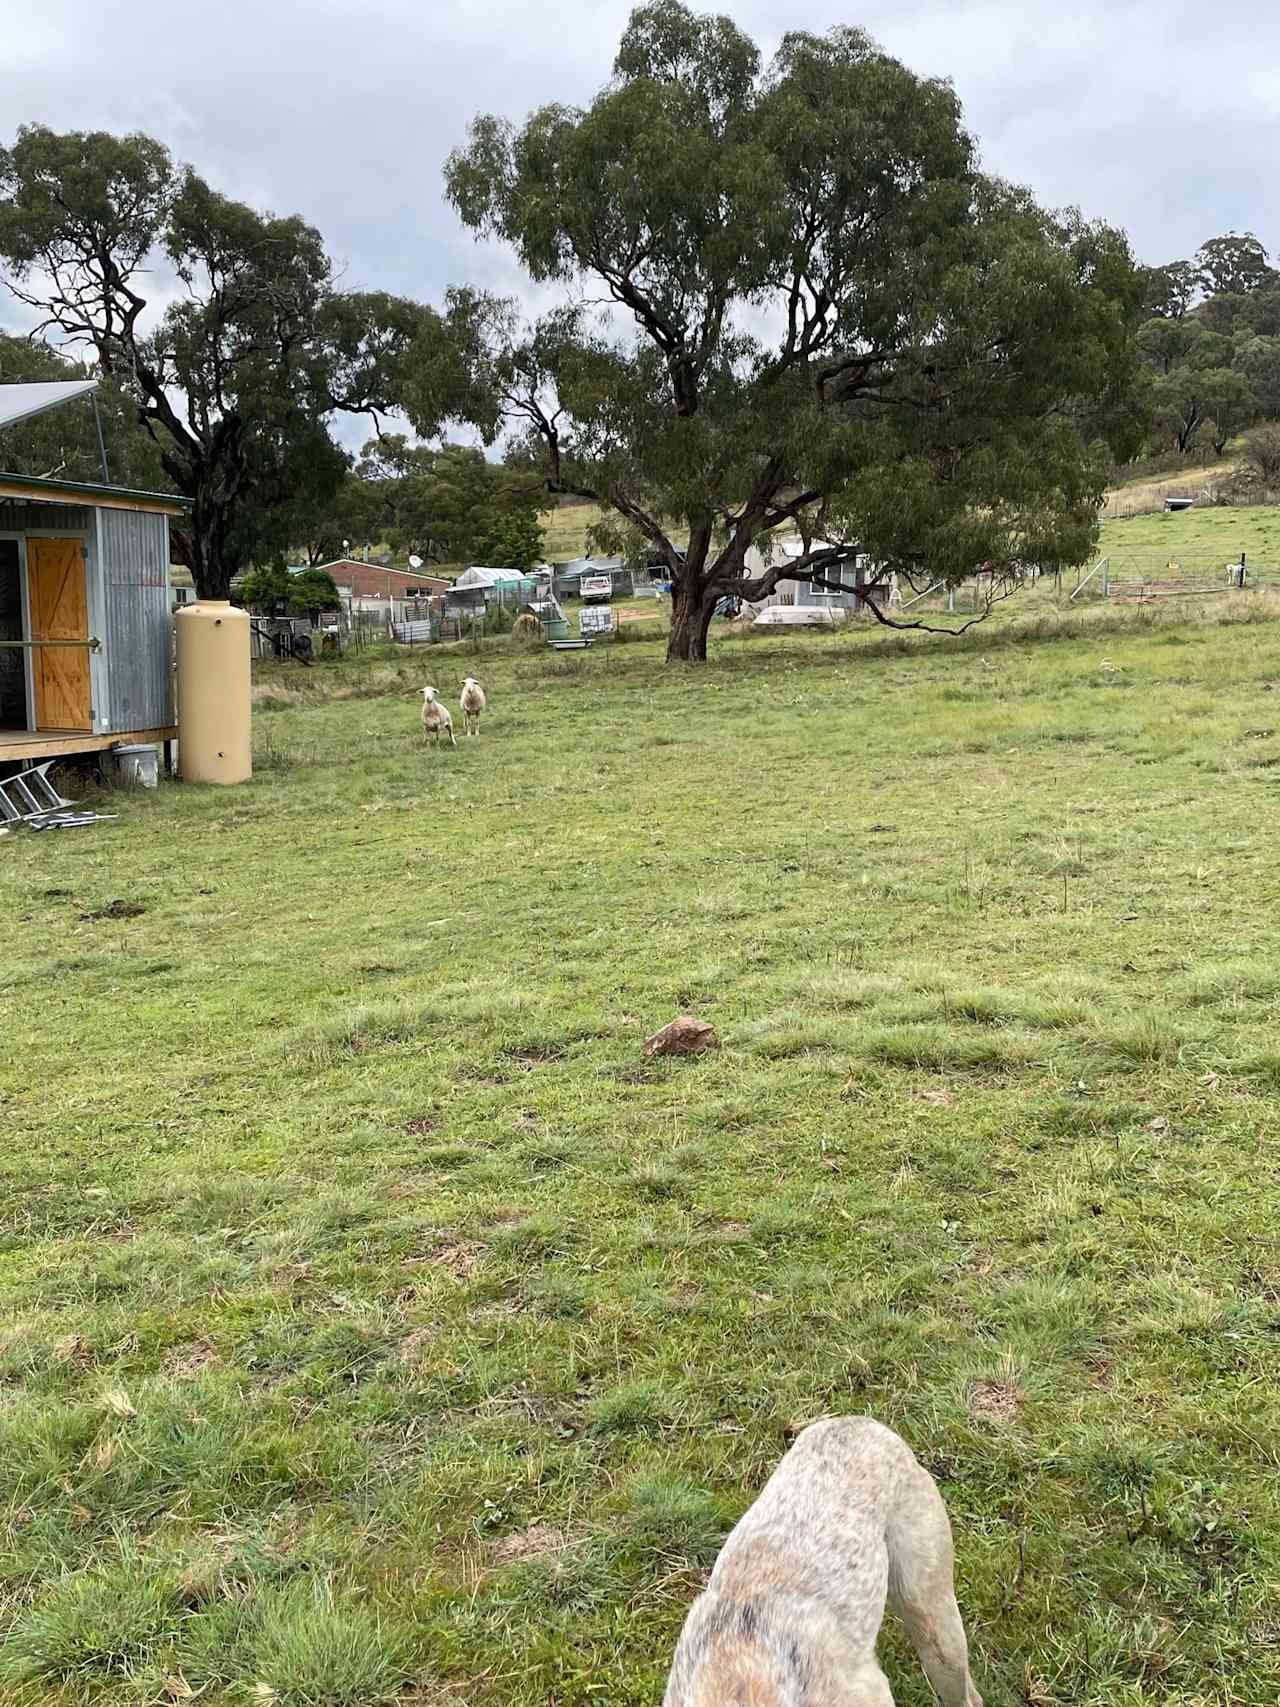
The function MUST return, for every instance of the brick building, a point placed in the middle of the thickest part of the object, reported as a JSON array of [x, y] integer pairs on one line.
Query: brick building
[[369, 583]]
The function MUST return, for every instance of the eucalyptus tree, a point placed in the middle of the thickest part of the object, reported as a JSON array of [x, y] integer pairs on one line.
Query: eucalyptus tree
[[221, 325], [790, 300]]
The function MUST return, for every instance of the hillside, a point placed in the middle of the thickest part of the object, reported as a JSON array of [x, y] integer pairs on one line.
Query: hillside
[[1205, 538], [1147, 538]]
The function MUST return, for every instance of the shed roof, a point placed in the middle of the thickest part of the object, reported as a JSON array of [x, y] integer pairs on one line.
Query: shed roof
[[21, 402], [348, 563], [36, 489], [477, 577], [590, 566]]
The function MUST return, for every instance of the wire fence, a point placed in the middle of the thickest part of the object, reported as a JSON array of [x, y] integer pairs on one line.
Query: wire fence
[[1158, 575]]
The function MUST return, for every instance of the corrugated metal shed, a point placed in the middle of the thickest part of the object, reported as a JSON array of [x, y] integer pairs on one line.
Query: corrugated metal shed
[[135, 558], [568, 576], [108, 578], [18, 517]]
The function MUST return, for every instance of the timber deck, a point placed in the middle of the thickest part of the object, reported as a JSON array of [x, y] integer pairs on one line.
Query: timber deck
[[34, 745]]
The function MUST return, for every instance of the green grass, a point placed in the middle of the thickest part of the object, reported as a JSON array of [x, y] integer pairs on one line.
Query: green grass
[[1196, 540], [379, 1324], [565, 529]]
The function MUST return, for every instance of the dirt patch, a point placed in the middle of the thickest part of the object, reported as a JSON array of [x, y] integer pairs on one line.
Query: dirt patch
[[939, 1098], [539, 1541], [414, 1345], [996, 1399], [536, 1406], [117, 909], [458, 1257], [536, 1055], [421, 1123], [731, 1232], [73, 1350], [186, 1362]]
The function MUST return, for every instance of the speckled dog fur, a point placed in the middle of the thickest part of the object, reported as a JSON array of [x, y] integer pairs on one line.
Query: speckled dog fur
[[795, 1602]]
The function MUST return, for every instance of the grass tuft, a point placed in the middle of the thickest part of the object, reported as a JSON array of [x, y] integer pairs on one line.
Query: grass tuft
[[674, 1523], [639, 1407], [92, 1627]]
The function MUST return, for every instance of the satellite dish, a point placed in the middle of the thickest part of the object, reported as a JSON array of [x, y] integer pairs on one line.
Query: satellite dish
[[415, 563]]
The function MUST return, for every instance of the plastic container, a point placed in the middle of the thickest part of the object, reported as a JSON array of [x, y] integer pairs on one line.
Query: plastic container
[[138, 762], [215, 742]]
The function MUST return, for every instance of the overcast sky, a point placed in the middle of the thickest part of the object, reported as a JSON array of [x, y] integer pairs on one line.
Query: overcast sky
[[1163, 118]]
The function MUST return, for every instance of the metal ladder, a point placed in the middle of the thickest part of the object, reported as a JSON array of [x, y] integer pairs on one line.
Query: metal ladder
[[31, 799]]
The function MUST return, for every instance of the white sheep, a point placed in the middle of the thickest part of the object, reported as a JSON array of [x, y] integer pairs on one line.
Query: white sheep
[[436, 720], [473, 703]]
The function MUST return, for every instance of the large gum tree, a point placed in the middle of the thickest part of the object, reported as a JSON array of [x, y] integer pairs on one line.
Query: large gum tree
[[791, 301], [221, 325]]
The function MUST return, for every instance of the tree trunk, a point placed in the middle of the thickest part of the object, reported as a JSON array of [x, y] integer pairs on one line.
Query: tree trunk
[[692, 607], [212, 574], [210, 569]]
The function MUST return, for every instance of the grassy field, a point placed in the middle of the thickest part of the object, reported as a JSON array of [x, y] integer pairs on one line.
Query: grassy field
[[378, 1324], [1137, 544], [565, 529], [1196, 540]]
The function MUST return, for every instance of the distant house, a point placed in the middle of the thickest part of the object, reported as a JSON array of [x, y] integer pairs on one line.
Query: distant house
[[851, 578], [376, 584]]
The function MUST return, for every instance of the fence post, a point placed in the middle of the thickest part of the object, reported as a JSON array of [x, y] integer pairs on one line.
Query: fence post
[[1243, 569]]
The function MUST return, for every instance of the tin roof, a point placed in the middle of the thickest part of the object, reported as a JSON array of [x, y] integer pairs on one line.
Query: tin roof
[[38, 487], [21, 402]]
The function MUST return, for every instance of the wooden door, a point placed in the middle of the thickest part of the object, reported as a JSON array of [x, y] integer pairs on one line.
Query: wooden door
[[59, 611]]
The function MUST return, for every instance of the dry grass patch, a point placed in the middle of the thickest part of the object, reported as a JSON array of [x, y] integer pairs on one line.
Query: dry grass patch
[[538, 1541]]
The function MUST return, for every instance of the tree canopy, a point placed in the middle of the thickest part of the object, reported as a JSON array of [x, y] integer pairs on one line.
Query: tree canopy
[[234, 381], [820, 315], [1169, 291], [439, 502], [302, 591], [515, 542], [1212, 344], [1232, 265]]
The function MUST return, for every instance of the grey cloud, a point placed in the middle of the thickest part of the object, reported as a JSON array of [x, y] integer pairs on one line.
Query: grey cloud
[[1161, 118]]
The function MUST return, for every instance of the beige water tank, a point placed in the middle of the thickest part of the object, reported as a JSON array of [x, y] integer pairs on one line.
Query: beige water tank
[[214, 739]]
